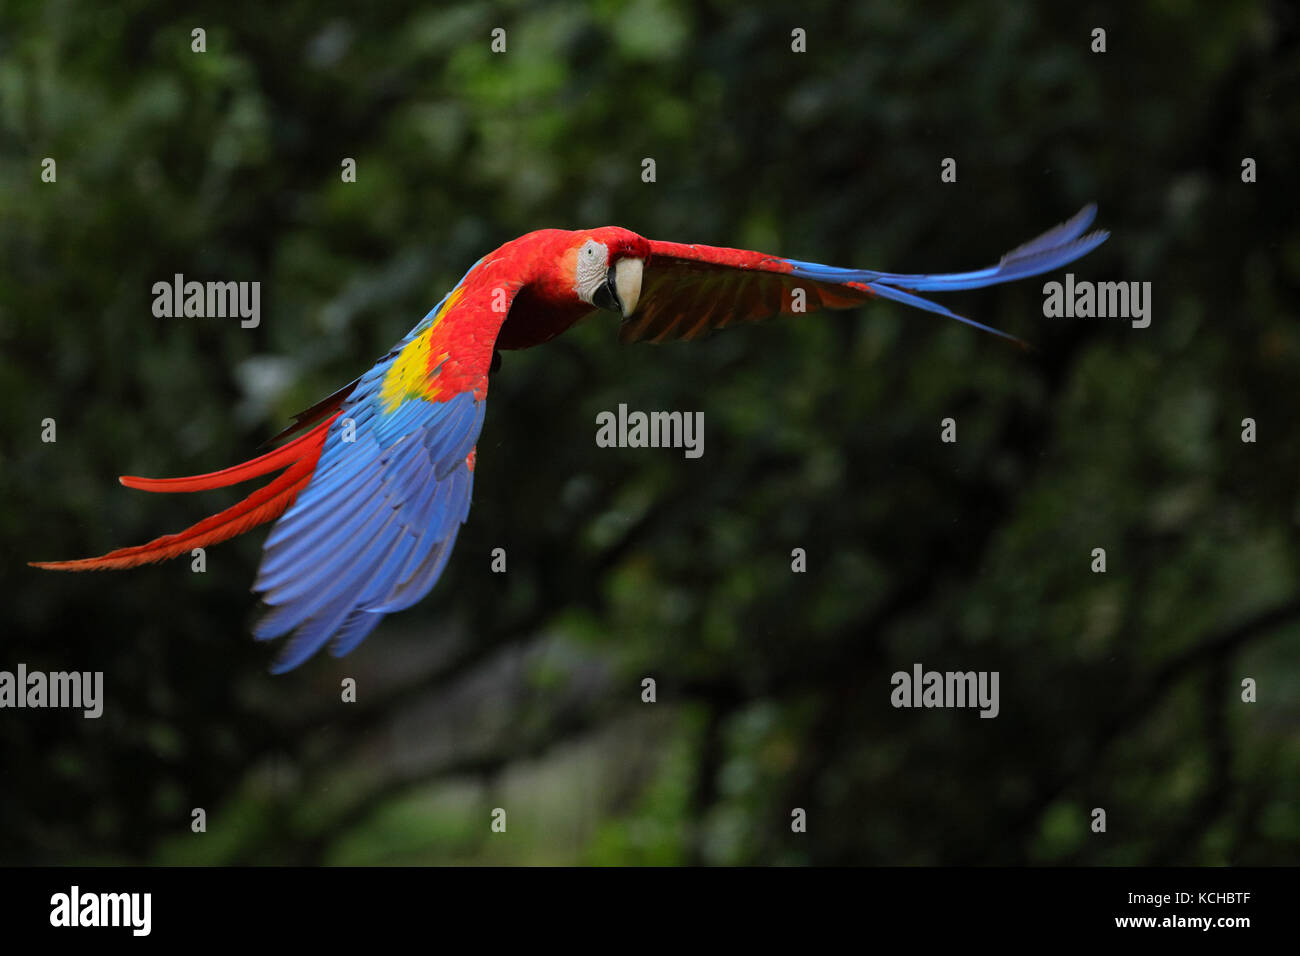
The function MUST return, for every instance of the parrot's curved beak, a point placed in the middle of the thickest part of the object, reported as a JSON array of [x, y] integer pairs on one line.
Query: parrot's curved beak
[[621, 289]]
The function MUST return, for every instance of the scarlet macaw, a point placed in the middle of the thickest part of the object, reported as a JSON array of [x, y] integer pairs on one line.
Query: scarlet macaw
[[370, 499]]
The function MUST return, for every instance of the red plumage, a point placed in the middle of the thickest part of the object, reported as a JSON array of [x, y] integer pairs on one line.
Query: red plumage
[[370, 534], [298, 459]]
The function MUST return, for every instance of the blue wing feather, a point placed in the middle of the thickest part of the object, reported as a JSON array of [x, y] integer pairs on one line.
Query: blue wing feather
[[355, 630], [372, 531], [1057, 247]]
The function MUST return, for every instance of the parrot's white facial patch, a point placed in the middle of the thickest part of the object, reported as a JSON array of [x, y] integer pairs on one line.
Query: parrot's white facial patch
[[593, 265], [615, 288]]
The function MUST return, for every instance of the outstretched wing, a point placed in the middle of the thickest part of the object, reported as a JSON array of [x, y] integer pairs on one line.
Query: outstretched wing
[[687, 290], [372, 531]]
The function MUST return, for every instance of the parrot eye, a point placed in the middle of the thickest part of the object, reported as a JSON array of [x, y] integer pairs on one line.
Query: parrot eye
[[593, 264]]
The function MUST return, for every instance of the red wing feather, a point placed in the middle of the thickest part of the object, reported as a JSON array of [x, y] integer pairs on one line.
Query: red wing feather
[[687, 290]]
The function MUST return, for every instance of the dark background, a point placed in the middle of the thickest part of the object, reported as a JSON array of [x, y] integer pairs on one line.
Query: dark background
[[522, 691]]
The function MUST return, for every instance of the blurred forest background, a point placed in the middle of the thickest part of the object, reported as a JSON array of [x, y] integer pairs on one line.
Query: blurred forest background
[[523, 691]]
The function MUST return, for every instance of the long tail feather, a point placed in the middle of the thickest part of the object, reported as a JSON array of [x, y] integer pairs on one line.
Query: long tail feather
[[262, 465], [298, 459]]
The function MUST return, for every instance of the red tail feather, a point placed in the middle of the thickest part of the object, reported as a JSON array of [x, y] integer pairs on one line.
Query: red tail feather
[[262, 465], [265, 504]]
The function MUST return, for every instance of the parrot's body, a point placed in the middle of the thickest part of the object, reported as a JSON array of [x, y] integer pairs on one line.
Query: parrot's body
[[371, 496]]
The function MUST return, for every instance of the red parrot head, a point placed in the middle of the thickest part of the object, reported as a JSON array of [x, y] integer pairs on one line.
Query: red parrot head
[[603, 268], [568, 275]]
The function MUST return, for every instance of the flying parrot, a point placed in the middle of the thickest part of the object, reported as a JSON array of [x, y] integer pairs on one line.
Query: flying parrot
[[371, 495]]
